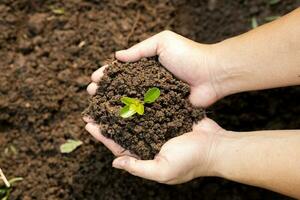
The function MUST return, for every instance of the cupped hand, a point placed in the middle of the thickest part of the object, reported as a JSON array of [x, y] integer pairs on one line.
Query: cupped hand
[[189, 155], [181, 159], [192, 62]]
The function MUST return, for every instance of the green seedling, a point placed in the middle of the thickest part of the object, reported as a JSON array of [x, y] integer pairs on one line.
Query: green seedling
[[6, 189], [70, 146], [133, 106]]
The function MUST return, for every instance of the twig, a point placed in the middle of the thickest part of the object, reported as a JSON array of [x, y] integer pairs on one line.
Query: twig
[[125, 3], [4, 178]]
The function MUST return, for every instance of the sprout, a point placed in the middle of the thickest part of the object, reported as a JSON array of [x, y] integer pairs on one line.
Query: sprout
[[133, 105], [7, 188]]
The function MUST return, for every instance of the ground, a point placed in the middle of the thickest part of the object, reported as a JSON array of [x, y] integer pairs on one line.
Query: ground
[[46, 57]]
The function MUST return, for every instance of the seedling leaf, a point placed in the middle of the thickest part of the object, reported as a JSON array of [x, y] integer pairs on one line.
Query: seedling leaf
[[151, 95], [139, 108], [128, 101], [14, 180], [126, 112], [2, 191], [6, 190], [4, 194], [70, 146], [58, 11]]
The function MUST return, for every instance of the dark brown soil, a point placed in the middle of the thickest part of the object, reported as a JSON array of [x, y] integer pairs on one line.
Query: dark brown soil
[[44, 72], [169, 116]]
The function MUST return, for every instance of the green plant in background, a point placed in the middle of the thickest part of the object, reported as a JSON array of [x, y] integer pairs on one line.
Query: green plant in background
[[273, 2], [272, 18], [57, 11], [133, 106], [70, 146], [8, 185], [254, 22]]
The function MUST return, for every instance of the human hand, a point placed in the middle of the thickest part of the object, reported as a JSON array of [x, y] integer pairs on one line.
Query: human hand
[[181, 159], [192, 62]]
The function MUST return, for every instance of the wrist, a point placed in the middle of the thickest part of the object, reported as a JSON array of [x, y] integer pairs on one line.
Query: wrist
[[216, 155], [230, 74], [223, 159]]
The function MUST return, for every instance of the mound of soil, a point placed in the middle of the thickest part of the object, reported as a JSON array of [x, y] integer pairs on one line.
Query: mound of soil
[[169, 116]]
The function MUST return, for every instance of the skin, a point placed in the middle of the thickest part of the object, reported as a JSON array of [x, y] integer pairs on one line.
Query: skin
[[266, 57]]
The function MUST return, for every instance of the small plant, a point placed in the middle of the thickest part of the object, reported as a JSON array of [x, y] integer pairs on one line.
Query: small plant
[[6, 189], [57, 11], [70, 146], [133, 106]]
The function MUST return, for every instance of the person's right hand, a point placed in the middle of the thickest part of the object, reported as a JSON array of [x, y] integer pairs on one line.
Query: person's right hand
[[189, 61]]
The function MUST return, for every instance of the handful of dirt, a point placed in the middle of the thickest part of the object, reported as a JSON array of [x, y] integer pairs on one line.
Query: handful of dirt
[[169, 116]]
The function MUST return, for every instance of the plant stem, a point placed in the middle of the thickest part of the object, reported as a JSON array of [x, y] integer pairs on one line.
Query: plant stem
[[4, 178]]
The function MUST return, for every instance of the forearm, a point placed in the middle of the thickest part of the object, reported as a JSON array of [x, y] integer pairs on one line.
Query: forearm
[[267, 159], [266, 57]]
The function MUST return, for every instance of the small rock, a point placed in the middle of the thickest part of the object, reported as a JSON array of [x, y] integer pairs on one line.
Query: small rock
[[82, 80], [36, 23]]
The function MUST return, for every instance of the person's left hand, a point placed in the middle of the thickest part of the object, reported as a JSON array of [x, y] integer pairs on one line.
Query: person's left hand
[[181, 159]]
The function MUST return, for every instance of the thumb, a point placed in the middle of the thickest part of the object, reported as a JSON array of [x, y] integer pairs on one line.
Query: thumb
[[149, 169], [150, 47], [146, 48]]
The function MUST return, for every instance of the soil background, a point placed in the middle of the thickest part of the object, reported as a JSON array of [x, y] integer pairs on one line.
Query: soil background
[[45, 63]]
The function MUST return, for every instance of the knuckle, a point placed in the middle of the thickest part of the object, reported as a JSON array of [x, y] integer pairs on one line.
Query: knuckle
[[166, 33]]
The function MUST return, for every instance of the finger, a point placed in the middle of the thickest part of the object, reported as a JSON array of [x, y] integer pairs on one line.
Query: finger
[[92, 88], [149, 169], [97, 75], [116, 149], [88, 119], [146, 48]]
